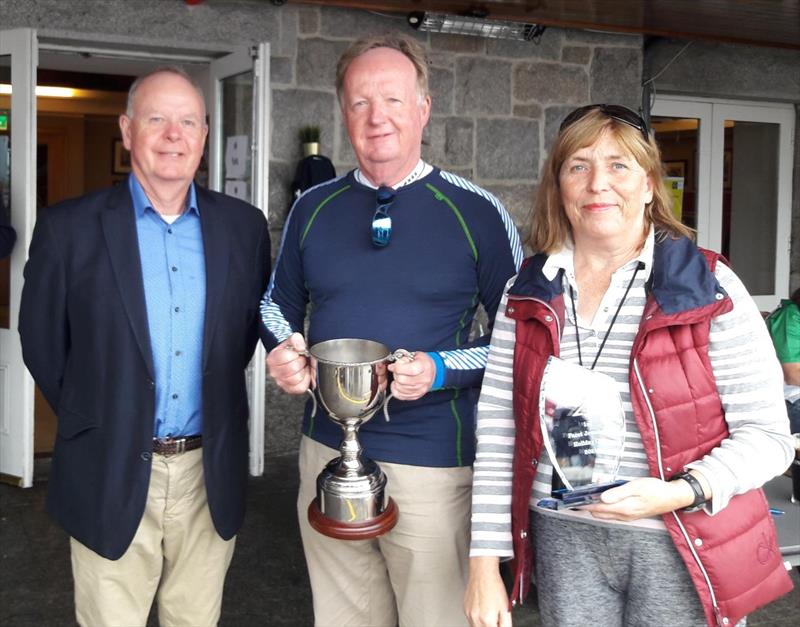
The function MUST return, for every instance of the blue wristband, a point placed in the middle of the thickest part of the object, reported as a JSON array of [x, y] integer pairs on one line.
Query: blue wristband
[[438, 380]]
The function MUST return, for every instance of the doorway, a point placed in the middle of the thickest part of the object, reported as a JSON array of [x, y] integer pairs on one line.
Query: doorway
[[68, 144], [77, 140], [728, 165]]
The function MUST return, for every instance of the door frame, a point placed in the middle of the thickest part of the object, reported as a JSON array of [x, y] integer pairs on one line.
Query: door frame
[[16, 383], [255, 59]]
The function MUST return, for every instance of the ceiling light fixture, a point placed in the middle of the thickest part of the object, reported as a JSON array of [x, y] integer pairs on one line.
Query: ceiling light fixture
[[476, 26], [43, 90]]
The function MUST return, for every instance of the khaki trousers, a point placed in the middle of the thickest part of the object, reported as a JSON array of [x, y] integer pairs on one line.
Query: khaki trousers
[[416, 574], [176, 554]]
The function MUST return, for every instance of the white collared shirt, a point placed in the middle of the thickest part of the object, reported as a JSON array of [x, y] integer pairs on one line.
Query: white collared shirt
[[420, 170]]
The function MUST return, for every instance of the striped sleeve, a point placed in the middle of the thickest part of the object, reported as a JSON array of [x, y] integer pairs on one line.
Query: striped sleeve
[[750, 385], [491, 486], [499, 255], [284, 303]]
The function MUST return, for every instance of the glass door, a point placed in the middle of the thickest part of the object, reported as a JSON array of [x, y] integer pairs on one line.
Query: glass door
[[238, 166], [18, 59], [752, 145], [683, 131], [735, 163]]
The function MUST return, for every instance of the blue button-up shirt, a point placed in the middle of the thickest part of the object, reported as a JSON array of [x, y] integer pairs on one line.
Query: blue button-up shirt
[[174, 273]]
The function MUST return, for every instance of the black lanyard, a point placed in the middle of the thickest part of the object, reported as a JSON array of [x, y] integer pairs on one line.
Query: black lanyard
[[613, 320]]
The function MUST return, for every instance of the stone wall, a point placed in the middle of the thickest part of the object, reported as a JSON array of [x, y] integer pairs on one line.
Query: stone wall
[[495, 103]]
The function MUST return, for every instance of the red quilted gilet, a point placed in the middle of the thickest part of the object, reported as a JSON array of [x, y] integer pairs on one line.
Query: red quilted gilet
[[733, 557]]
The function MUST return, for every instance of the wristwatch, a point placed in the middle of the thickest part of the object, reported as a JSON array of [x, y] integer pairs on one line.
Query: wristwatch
[[699, 496]]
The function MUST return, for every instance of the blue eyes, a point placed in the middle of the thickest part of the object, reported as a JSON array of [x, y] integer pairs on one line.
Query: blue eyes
[[363, 103], [615, 166], [157, 120]]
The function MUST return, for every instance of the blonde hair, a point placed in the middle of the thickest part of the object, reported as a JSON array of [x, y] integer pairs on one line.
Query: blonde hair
[[404, 44], [550, 227]]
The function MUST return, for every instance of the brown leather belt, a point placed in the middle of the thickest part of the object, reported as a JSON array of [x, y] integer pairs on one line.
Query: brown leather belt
[[173, 446]]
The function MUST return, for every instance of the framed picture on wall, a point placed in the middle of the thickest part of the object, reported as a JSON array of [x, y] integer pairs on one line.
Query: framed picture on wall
[[120, 158], [675, 168]]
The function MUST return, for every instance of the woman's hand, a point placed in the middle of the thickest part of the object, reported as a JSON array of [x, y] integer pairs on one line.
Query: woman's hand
[[486, 599], [641, 498]]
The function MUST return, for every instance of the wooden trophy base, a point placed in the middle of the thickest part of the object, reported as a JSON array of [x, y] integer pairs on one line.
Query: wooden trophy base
[[366, 530]]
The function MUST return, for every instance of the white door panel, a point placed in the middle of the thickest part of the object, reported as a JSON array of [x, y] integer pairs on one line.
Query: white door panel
[[18, 52], [238, 107]]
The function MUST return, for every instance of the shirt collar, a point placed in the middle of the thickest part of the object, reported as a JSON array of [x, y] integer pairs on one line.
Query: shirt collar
[[564, 259], [142, 202], [421, 170]]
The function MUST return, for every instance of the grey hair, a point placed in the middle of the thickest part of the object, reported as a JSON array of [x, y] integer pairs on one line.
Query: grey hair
[[164, 69]]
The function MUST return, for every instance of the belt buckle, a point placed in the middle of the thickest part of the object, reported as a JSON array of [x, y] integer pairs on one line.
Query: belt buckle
[[178, 443]]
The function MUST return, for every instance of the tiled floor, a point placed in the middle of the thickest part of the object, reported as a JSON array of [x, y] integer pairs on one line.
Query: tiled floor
[[267, 584]]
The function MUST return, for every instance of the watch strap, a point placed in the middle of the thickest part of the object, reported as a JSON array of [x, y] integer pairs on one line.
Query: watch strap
[[699, 495]]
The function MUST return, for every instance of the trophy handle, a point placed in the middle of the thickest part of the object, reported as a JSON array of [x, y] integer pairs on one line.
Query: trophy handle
[[386, 406], [309, 391], [313, 396], [400, 353]]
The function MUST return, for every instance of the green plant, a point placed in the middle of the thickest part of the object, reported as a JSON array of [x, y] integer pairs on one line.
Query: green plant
[[309, 134]]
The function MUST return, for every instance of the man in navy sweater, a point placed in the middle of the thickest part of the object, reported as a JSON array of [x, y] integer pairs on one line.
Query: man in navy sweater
[[450, 246]]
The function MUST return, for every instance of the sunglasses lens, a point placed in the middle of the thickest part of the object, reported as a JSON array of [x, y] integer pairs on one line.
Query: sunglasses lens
[[576, 115], [381, 228], [615, 112], [381, 221], [385, 195]]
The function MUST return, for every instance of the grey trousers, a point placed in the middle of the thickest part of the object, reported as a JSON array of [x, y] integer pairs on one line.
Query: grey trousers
[[590, 574]]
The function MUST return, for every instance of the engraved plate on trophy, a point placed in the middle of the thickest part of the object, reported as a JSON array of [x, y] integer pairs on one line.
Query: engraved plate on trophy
[[583, 426]]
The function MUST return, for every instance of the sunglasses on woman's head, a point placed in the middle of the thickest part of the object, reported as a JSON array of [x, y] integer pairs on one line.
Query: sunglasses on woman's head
[[615, 112], [381, 220]]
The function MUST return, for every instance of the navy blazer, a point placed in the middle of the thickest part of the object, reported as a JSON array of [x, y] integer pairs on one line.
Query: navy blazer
[[85, 339]]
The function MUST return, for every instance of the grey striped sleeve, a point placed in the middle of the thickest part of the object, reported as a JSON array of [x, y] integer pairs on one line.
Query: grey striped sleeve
[[491, 487], [750, 384]]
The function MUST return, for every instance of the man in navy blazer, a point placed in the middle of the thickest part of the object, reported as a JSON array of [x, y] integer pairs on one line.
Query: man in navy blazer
[[139, 316]]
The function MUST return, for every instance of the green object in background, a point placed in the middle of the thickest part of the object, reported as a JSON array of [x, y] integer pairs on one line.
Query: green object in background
[[3, 121]]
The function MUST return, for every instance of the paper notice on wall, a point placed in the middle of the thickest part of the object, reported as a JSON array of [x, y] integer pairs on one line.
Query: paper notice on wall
[[236, 149], [237, 189], [674, 185]]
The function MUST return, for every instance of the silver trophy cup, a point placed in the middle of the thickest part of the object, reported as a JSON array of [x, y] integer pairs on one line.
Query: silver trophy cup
[[351, 384]]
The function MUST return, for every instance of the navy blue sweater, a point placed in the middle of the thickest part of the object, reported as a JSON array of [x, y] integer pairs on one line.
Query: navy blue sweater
[[452, 246]]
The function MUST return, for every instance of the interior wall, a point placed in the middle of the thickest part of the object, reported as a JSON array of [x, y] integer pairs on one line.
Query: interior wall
[[100, 170], [753, 194], [62, 137]]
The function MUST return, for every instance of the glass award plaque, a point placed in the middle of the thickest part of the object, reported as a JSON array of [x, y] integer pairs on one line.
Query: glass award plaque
[[583, 426]]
